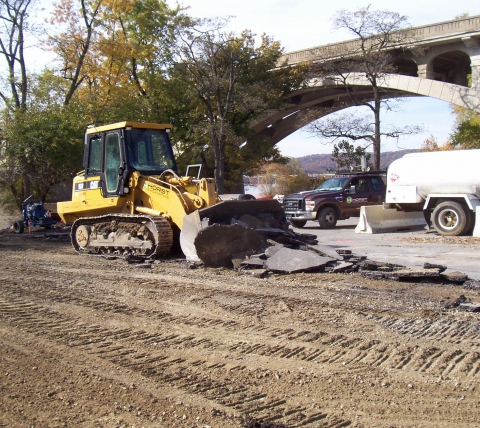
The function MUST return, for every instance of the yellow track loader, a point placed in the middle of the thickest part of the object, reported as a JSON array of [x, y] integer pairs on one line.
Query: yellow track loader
[[129, 199]]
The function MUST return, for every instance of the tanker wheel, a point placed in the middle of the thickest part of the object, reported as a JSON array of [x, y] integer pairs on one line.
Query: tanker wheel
[[298, 223], [327, 218], [18, 226], [451, 219]]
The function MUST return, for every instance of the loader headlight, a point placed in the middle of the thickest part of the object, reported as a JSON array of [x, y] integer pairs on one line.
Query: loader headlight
[[126, 190]]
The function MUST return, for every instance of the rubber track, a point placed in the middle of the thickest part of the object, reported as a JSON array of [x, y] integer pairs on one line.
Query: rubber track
[[164, 232]]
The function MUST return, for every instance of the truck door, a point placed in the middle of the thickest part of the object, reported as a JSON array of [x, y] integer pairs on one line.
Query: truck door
[[357, 193], [378, 190]]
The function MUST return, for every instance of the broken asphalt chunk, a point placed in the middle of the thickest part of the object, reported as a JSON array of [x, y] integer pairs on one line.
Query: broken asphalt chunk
[[373, 265], [251, 221], [344, 252], [288, 260], [471, 284], [441, 268], [342, 267], [456, 302], [253, 262], [325, 250], [416, 273], [402, 274], [455, 277], [469, 307], [270, 251]]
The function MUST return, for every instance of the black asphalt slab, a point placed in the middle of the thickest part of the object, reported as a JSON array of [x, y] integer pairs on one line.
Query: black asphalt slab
[[410, 248]]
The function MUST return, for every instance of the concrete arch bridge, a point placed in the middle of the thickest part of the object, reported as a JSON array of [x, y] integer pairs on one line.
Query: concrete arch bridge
[[442, 61]]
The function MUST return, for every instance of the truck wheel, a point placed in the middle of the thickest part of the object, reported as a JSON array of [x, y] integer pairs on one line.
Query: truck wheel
[[18, 226], [298, 223], [451, 219], [327, 218]]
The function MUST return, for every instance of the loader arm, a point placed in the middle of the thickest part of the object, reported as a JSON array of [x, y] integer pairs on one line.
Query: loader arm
[[170, 196]]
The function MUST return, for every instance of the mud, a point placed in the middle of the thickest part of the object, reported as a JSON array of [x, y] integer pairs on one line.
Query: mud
[[89, 342]]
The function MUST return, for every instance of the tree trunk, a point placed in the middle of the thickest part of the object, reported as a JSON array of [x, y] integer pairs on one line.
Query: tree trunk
[[219, 171], [219, 162], [376, 142]]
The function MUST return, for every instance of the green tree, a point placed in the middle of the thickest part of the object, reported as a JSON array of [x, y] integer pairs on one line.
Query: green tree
[[467, 129], [346, 155], [42, 145], [228, 80]]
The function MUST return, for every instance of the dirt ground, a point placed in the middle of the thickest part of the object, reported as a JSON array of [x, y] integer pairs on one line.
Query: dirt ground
[[93, 342]]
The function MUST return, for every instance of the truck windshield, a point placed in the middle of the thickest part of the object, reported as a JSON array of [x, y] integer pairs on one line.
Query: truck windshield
[[333, 184], [149, 151]]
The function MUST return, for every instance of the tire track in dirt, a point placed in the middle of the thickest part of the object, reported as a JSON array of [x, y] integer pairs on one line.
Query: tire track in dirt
[[454, 332], [124, 348], [312, 346], [362, 352]]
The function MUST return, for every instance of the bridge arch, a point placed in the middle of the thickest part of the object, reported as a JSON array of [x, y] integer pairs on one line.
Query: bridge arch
[[451, 66], [434, 63], [325, 96]]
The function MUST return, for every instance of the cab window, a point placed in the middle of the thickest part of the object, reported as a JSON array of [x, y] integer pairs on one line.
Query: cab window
[[95, 155], [112, 161], [377, 187]]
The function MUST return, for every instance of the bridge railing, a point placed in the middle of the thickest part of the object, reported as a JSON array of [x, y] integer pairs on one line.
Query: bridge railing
[[416, 35]]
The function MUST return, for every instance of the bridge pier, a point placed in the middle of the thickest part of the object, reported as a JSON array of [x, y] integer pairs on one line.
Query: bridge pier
[[475, 65], [425, 71]]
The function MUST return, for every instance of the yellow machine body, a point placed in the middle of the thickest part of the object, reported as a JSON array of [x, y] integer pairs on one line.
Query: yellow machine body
[[129, 199]]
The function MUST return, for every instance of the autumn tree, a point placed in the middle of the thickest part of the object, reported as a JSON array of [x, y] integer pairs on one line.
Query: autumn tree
[[431, 145], [372, 56], [73, 42], [229, 80], [139, 60], [283, 179], [116, 54], [110, 63]]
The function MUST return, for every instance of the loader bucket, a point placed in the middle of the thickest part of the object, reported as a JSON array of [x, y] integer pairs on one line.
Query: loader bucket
[[253, 214]]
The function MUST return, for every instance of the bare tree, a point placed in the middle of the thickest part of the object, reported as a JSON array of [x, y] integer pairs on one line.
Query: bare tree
[[379, 36], [73, 45], [13, 19]]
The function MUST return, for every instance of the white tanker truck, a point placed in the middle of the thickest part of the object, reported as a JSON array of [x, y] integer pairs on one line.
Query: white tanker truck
[[444, 185]]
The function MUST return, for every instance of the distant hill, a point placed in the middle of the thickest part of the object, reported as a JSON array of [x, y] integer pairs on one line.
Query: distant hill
[[320, 164]]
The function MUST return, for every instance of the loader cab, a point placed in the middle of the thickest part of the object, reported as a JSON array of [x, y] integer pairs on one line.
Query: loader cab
[[114, 151]]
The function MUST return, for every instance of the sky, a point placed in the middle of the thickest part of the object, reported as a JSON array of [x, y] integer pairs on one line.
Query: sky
[[301, 24]]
